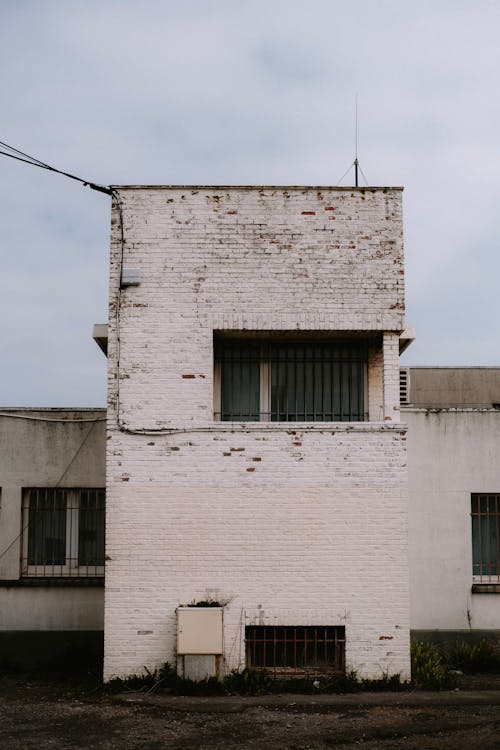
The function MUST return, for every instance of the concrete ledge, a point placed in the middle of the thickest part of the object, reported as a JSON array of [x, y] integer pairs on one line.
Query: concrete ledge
[[97, 582], [486, 588]]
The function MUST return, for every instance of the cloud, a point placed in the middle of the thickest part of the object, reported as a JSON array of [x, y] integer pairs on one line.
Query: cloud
[[225, 92]]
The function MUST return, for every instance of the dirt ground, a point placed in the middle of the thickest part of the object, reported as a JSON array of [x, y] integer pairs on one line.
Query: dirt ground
[[51, 716]]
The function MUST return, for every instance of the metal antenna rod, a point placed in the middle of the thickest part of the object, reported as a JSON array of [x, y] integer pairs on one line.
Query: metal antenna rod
[[356, 162]]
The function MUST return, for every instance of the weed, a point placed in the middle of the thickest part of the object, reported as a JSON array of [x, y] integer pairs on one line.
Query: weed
[[248, 682], [427, 668], [386, 683]]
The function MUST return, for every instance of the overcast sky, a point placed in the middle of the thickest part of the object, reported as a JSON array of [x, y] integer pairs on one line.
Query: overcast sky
[[242, 92]]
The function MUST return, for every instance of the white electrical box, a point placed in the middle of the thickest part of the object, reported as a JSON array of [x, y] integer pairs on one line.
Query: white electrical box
[[199, 630], [130, 277]]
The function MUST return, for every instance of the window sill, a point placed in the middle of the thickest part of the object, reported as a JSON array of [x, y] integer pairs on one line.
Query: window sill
[[486, 588], [365, 426], [55, 582]]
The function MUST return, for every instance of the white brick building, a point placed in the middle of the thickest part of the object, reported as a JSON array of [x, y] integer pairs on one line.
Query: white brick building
[[255, 454]]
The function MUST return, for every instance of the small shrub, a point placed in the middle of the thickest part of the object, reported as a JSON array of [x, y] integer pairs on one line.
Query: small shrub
[[475, 658], [427, 668]]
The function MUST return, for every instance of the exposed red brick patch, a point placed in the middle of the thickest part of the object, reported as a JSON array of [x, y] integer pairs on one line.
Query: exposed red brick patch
[[188, 377], [226, 453], [201, 375], [296, 443], [232, 212], [329, 208], [386, 638], [308, 213], [251, 468], [256, 458], [237, 449]]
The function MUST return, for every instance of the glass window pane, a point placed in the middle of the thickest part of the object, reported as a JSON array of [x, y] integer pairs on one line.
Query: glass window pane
[[91, 524], [321, 382], [240, 382], [47, 527], [485, 535]]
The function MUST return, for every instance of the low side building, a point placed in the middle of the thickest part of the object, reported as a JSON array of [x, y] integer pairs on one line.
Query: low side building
[[454, 515], [52, 484], [453, 422]]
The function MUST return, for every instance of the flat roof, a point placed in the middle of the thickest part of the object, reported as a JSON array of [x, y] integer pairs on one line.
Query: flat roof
[[84, 409], [450, 367], [369, 188]]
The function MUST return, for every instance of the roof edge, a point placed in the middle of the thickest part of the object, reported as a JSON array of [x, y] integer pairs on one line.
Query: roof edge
[[365, 189]]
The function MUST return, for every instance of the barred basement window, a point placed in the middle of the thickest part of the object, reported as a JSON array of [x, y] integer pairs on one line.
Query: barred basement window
[[485, 513], [296, 649], [63, 532], [290, 381]]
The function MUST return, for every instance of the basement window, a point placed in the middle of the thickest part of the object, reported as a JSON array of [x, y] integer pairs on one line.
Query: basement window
[[485, 514], [310, 380], [296, 649], [63, 532]]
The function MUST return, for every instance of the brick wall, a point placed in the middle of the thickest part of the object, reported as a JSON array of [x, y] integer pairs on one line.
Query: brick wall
[[306, 522]]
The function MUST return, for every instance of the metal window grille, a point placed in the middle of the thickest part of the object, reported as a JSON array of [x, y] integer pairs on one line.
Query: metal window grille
[[485, 514], [292, 381], [63, 532], [296, 649], [240, 381]]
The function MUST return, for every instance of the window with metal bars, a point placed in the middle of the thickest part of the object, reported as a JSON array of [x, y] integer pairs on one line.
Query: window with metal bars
[[290, 381], [296, 649], [63, 532], [485, 513]]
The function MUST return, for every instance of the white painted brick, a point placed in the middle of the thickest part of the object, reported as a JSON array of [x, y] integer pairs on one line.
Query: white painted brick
[[316, 532]]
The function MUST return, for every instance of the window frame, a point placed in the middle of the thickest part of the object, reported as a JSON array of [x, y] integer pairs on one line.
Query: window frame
[[308, 649], [479, 544], [72, 567], [265, 345]]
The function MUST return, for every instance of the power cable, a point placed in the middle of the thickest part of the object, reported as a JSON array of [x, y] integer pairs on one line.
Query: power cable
[[27, 159]]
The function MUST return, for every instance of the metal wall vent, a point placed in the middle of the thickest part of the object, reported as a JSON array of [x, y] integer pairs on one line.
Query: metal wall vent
[[404, 385]]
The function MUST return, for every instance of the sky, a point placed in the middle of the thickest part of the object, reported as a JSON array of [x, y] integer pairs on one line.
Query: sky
[[232, 92]]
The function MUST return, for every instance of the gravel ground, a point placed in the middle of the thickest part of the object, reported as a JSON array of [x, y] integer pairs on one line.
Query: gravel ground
[[50, 716]]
